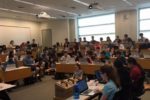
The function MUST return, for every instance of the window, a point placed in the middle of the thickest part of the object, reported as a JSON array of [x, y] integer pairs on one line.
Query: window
[[144, 20], [97, 26]]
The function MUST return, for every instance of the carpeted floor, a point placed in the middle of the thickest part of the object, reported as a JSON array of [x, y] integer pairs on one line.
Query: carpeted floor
[[43, 91], [38, 91]]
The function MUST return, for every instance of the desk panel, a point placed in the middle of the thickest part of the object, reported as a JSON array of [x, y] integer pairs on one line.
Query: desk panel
[[70, 68], [16, 74]]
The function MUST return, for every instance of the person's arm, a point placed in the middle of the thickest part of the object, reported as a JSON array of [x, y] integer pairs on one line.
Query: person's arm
[[7, 59], [105, 92]]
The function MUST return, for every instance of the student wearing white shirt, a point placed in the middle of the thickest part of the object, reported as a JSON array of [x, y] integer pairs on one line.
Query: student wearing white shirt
[[121, 45], [65, 58]]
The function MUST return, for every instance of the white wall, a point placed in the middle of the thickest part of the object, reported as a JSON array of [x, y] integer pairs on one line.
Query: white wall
[[60, 29], [33, 26], [126, 23]]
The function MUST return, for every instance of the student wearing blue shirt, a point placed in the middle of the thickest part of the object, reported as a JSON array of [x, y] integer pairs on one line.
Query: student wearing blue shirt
[[112, 83]]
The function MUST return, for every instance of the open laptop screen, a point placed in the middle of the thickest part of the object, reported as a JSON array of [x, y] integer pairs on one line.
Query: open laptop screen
[[82, 85]]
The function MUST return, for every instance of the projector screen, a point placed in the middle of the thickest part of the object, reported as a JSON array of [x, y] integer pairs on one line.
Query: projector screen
[[18, 34]]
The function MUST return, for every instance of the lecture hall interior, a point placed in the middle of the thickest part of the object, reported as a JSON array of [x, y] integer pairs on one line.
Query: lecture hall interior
[[74, 50]]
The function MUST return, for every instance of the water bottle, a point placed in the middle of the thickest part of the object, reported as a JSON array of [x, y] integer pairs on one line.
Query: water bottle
[[76, 93]]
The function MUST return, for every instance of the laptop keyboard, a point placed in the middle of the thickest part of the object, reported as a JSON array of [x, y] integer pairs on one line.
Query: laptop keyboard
[[87, 91]]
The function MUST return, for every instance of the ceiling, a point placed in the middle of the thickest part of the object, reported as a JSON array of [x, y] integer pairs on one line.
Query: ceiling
[[60, 9]]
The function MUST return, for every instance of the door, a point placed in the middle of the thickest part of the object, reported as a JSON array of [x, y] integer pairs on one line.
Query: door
[[47, 38]]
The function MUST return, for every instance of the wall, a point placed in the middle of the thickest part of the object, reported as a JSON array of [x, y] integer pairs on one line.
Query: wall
[[60, 29], [126, 23], [34, 26]]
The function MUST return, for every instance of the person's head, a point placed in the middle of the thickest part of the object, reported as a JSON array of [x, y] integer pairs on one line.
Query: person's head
[[12, 42], [101, 39], [33, 40], [28, 42], [80, 39], [108, 73], [132, 62], [146, 41], [125, 36], [141, 35], [117, 37], [92, 38], [84, 39], [66, 39], [78, 67], [119, 41], [29, 53], [108, 38]]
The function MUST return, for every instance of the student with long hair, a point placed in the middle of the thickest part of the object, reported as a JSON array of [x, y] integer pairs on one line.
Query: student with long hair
[[125, 81], [109, 75], [137, 75]]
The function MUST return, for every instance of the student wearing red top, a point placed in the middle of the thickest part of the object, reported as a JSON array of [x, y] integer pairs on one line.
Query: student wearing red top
[[137, 76]]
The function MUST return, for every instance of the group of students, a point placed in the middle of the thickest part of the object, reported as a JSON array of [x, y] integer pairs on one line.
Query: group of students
[[93, 50], [122, 82]]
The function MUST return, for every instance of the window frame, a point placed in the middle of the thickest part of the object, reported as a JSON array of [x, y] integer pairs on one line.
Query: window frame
[[78, 35], [139, 22]]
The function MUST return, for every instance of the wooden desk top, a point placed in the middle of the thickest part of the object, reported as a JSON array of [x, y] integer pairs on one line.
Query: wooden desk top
[[4, 86]]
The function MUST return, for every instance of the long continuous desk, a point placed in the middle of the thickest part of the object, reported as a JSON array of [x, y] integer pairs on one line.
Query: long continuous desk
[[91, 68], [16, 73], [70, 68]]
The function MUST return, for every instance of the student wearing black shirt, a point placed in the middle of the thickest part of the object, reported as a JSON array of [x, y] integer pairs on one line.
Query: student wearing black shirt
[[125, 81]]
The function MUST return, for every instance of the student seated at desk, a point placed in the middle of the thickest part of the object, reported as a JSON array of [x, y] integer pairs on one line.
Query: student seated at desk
[[125, 92], [78, 73], [65, 58], [11, 58], [28, 60], [112, 83]]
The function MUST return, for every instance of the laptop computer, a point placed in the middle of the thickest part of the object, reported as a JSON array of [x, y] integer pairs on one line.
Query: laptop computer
[[83, 88]]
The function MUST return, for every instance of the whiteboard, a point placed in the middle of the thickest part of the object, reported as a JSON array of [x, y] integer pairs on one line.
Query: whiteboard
[[18, 34]]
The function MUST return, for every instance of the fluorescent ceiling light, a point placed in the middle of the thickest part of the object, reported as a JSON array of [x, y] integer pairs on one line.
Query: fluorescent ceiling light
[[127, 2], [81, 2], [16, 11], [41, 6]]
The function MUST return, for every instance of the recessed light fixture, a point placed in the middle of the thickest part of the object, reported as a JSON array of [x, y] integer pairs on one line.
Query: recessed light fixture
[[30, 3]]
